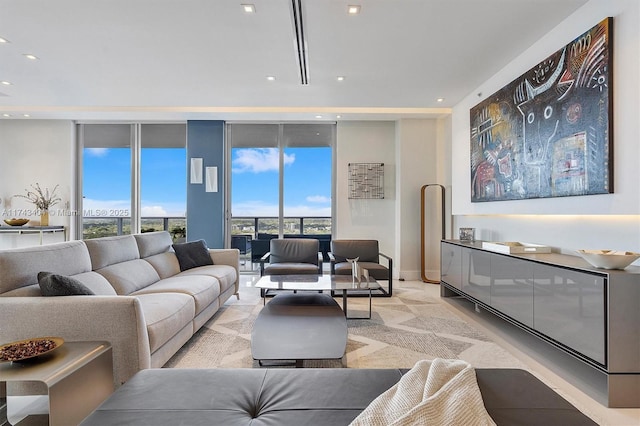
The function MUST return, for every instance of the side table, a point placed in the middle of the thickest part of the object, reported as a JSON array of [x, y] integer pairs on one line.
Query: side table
[[78, 377]]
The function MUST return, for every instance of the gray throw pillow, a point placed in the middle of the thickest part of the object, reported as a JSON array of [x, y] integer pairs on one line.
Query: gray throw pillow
[[192, 254], [61, 285]]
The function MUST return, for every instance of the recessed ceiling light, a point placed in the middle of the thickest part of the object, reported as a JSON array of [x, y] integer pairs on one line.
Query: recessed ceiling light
[[249, 8], [271, 78], [6, 83], [338, 116], [318, 116], [6, 115], [340, 78], [3, 40], [26, 115], [30, 56], [440, 100], [353, 9]]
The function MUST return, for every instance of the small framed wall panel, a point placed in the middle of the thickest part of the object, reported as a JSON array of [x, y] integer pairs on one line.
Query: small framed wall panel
[[211, 179], [196, 170], [366, 180]]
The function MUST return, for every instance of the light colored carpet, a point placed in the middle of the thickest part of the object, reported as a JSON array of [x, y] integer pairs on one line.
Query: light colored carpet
[[412, 325]]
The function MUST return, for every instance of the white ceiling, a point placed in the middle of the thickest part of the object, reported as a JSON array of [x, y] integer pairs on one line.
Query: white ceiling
[[207, 59]]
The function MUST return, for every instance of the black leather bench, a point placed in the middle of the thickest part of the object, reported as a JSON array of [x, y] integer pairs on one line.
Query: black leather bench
[[307, 396]]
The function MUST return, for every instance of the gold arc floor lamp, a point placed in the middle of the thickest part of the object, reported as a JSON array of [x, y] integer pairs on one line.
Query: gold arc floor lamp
[[423, 191]]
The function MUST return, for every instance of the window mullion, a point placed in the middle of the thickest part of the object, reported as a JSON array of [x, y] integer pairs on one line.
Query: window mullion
[[135, 178], [281, 180]]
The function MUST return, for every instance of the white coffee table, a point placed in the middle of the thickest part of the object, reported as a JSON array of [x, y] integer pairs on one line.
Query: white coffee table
[[333, 283]]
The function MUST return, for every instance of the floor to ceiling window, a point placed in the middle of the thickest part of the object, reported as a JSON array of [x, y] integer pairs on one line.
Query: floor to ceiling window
[[163, 179], [307, 151], [281, 181], [133, 179]]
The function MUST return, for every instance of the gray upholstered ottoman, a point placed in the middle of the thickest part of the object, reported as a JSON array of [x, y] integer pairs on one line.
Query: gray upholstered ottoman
[[306, 396]]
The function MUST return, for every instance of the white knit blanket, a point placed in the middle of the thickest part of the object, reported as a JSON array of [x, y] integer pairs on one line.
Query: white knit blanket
[[438, 392]]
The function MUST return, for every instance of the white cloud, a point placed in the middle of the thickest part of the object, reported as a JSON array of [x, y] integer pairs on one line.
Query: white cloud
[[260, 209], [97, 152], [318, 199], [307, 211], [254, 209], [122, 208], [258, 160], [163, 209], [153, 211]]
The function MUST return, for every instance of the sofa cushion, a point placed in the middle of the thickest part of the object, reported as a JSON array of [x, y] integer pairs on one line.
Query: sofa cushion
[[244, 396], [61, 285], [165, 315], [20, 267], [192, 254], [166, 264], [225, 274], [127, 277], [290, 269], [151, 243], [204, 289], [111, 250], [96, 283], [315, 396]]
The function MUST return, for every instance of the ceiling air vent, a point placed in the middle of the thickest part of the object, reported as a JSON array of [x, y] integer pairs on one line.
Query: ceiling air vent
[[300, 41]]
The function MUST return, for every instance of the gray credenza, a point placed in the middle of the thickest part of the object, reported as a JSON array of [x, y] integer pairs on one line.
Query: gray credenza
[[592, 314]]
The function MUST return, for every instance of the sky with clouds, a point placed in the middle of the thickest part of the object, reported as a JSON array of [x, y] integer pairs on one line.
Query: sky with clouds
[[307, 181]]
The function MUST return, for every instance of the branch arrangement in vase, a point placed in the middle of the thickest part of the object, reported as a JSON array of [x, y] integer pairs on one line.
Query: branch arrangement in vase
[[42, 199]]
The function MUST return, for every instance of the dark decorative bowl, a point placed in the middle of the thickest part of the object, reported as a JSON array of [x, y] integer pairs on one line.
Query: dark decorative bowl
[[16, 222], [29, 348]]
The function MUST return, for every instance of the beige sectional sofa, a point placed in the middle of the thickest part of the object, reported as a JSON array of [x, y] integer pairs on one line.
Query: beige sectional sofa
[[143, 304]]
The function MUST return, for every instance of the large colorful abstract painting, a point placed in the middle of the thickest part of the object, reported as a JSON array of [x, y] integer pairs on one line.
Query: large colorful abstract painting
[[548, 133]]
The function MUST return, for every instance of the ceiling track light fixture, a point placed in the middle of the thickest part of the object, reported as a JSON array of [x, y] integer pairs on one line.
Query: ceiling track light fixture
[[300, 41]]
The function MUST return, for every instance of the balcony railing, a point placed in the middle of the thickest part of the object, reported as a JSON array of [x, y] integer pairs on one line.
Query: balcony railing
[[95, 227], [294, 225], [251, 235]]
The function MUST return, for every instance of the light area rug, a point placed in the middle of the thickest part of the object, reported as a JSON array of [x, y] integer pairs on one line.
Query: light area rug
[[412, 325]]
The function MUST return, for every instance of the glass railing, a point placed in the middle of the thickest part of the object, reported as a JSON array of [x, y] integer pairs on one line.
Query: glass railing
[[253, 227], [303, 226], [97, 227]]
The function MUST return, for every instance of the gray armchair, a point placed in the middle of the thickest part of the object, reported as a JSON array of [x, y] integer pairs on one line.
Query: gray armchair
[[292, 256], [369, 258]]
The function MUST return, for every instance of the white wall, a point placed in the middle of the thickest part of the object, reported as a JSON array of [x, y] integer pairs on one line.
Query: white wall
[[366, 142], [596, 221], [36, 151], [411, 151], [416, 155]]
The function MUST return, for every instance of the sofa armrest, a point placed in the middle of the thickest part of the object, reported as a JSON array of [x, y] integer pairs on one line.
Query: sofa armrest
[[230, 257], [116, 319]]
